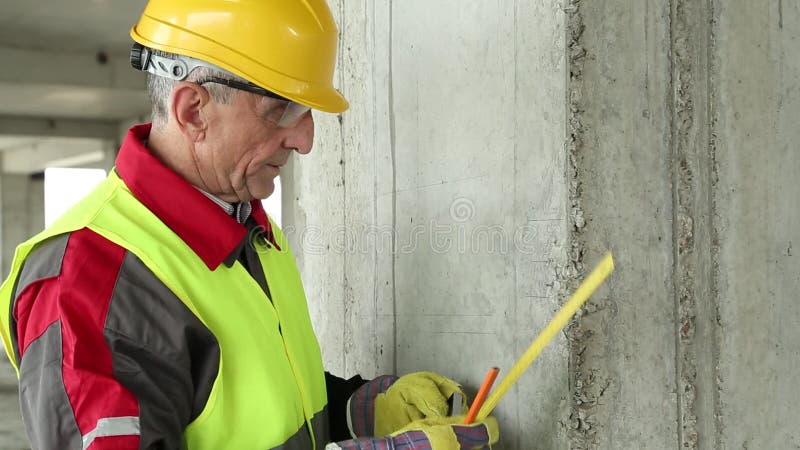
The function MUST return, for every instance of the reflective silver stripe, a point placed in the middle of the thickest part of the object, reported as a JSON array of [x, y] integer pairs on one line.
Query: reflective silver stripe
[[112, 426]]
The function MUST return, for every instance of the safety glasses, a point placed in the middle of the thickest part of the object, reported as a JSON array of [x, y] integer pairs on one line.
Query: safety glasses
[[285, 114]]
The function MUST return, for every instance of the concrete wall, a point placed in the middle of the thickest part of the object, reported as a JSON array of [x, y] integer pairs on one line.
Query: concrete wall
[[659, 129], [423, 239], [755, 105], [623, 350], [686, 171]]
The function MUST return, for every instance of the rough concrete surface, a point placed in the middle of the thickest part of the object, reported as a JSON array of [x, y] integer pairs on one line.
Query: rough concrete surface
[[623, 346], [695, 306], [756, 108]]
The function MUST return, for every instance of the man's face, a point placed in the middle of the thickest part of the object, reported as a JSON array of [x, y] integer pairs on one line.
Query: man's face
[[244, 149]]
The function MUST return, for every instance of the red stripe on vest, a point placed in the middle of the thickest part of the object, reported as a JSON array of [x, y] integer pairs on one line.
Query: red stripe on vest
[[91, 265], [34, 317], [89, 270]]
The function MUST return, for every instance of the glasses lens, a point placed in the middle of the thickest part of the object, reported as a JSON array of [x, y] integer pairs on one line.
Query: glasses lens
[[292, 115]]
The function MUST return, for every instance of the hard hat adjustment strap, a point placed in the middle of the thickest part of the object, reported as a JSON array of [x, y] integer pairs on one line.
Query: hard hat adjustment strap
[[176, 67]]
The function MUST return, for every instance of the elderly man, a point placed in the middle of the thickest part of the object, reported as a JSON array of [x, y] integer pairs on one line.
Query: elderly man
[[165, 310]]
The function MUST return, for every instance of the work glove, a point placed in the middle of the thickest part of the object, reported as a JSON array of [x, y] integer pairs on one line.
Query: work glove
[[409, 413], [388, 403], [443, 433]]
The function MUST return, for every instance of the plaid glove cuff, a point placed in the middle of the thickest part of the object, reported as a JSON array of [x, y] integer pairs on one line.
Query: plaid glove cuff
[[469, 438], [412, 440], [361, 407]]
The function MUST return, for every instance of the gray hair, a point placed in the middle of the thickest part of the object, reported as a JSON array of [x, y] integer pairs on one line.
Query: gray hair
[[159, 90]]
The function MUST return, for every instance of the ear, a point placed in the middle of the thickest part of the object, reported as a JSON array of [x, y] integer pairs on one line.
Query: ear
[[186, 103]]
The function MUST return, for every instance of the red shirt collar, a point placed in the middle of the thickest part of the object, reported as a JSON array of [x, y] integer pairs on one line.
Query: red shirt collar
[[201, 223]]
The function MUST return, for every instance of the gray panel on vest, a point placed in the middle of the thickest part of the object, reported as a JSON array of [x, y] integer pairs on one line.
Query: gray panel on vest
[[160, 351], [43, 262], [49, 418], [321, 424], [301, 440]]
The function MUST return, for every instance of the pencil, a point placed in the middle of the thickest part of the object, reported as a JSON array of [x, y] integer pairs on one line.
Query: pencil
[[482, 393]]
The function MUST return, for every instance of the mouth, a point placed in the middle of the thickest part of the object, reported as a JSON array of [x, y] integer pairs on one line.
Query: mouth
[[278, 165]]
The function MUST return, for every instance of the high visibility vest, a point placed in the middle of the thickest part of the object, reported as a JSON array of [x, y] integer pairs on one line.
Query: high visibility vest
[[270, 388]]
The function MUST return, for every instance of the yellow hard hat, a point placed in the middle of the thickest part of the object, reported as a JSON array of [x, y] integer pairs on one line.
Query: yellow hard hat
[[287, 47]]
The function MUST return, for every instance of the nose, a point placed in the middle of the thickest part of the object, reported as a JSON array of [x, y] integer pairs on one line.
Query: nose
[[301, 136]]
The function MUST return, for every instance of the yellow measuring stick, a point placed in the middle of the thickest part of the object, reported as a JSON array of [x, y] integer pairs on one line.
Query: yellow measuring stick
[[585, 290]]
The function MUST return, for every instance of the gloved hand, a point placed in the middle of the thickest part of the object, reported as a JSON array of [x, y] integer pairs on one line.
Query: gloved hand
[[388, 403], [443, 433]]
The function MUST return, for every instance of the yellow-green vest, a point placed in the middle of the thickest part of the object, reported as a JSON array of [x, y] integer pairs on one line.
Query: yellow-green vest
[[270, 381]]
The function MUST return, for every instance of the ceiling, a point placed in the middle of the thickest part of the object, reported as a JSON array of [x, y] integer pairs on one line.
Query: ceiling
[[66, 60], [73, 25]]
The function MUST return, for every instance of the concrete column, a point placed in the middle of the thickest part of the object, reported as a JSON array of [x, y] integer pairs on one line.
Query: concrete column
[[623, 348], [755, 105], [21, 213], [35, 204]]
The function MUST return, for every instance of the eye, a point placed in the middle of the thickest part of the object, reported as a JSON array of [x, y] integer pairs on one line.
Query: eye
[[273, 109]]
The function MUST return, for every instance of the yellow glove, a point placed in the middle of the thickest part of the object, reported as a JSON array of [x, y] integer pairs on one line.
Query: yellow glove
[[420, 395], [450, 433]]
